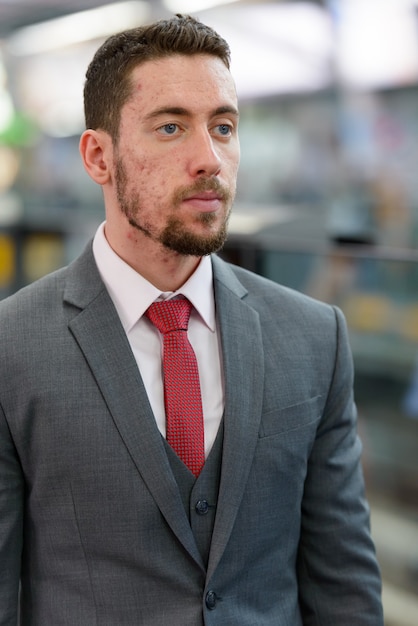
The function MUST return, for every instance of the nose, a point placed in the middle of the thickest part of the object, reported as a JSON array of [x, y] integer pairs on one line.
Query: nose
[[204, 157]]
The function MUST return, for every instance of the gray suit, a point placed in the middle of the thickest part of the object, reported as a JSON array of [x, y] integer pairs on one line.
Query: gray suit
[[109, 530]]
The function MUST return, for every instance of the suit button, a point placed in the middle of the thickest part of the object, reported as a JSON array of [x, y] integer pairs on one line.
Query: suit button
[[201, 507], [211, 600]]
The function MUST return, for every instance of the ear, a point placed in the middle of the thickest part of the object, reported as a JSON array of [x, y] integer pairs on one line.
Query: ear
[[96, 153]]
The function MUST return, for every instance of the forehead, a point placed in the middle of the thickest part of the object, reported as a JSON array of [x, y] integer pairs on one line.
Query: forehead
[[181, 79]]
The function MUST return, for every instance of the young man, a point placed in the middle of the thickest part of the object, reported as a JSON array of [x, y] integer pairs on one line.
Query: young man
[[102, 519]]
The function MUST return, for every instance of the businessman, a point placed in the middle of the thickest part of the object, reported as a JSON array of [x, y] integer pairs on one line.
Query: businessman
[[178, 438]]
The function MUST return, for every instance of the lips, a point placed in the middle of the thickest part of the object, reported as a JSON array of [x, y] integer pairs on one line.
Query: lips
[[205, 201]]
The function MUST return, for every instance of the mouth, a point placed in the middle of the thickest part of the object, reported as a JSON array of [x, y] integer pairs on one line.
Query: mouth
[[206, 201]]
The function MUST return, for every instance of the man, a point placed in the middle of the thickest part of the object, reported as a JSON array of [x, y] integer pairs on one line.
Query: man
[[100, 518]]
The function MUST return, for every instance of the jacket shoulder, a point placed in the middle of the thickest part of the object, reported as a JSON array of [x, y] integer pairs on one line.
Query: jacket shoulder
[[262, 291], [41, 290], [80, 275]]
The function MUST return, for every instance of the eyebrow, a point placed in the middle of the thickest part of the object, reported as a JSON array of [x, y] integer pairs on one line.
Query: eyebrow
[[222, 110]]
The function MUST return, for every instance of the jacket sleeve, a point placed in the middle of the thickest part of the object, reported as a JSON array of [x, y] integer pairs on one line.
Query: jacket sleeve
[[11, 525], [339, 579]]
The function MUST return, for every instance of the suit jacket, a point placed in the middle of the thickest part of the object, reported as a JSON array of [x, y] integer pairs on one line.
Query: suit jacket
[[91, 520]]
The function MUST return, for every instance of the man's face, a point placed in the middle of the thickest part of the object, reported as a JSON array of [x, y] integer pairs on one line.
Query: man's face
[[176, 160]]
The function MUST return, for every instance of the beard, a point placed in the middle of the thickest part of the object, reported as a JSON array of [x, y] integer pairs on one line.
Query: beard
[[175, 235]]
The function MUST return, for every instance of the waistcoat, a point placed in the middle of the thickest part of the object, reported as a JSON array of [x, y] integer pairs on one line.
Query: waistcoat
[[200, 495]]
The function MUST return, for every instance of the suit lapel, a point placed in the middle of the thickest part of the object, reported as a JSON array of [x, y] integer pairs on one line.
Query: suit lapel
[[243, 361], [101, 338]]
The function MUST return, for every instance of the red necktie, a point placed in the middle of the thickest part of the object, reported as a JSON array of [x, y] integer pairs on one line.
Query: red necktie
[[182, 398]]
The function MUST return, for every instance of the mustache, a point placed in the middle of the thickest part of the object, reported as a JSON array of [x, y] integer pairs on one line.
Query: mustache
[[200, 186]]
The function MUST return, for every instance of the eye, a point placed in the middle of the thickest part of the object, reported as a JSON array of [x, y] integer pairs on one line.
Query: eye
[[168, 129], [224, 129]]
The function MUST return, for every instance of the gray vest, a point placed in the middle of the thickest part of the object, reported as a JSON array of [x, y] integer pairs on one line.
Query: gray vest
[[200, 495]]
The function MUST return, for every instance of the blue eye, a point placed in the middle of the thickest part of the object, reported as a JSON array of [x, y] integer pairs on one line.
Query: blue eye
[[169, 129], [224, 129]]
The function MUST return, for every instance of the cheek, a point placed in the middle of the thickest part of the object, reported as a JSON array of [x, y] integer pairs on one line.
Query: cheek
[[152, 170], [152, 184], [143, 174], [137, 166], [230, 162]]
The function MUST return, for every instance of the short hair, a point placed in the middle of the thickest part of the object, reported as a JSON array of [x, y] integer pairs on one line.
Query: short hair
[[108, 86]]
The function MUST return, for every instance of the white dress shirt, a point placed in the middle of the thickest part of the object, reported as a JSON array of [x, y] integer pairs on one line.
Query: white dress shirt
[[132, 294]]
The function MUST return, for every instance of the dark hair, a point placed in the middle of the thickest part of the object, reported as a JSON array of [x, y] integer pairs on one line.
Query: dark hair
[[108, 85]]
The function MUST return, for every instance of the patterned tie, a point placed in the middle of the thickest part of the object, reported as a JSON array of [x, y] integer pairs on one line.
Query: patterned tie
[[182, 398]]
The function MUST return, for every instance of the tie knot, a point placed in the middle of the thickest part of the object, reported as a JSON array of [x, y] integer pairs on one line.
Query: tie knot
[[170, 315]]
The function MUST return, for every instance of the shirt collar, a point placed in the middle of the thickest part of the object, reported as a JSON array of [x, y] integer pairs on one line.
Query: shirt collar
[[132, 294]]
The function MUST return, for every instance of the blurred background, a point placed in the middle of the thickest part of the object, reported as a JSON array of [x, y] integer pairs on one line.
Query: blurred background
[[327, 201]]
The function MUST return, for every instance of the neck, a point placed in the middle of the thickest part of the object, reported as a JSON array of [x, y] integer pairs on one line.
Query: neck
[[165, 269]]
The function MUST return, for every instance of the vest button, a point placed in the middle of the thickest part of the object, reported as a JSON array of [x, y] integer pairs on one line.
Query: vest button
[[211, 600], [201, 507]]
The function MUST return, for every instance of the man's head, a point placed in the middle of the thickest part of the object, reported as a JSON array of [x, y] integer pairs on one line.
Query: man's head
[[162, 138], [108, 79]]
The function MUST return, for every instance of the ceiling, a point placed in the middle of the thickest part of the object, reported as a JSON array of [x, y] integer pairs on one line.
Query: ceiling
[[15, 14], [278, 46]]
